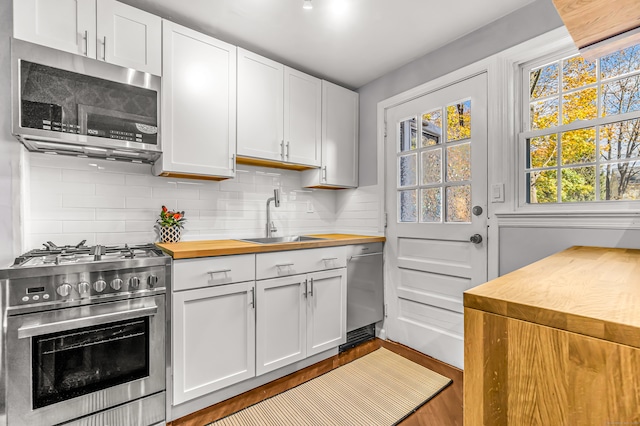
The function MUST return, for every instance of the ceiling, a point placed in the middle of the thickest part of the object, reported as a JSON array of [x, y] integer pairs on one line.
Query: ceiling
[[349, 42]]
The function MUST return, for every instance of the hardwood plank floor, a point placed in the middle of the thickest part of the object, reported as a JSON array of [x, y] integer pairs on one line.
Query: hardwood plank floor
[[445, 409]]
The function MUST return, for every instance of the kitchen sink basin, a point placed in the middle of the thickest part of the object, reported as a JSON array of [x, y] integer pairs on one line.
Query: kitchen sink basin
[[280, 240]]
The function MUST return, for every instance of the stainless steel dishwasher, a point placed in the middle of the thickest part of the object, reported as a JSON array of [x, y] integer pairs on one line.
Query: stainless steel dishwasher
[[365, 292]]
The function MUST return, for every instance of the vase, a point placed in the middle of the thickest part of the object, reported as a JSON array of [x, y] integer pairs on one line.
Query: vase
[[170, 234]]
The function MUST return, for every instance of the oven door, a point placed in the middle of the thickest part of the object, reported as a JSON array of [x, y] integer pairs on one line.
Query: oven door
[[71, 362]]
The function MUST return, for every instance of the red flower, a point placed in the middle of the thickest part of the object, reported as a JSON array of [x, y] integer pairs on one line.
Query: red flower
[[177, 216], [164, 209]]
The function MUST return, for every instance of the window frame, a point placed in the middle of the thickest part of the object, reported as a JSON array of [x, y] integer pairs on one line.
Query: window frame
[[521, 83]]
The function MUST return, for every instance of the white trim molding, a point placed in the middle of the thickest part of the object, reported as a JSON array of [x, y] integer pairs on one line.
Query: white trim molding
[[594, 220]]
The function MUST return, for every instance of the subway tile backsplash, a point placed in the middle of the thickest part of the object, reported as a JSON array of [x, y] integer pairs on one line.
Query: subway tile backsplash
[[106, 202]]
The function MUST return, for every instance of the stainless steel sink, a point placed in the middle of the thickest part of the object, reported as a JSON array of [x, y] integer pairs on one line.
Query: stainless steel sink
[[280, 240]]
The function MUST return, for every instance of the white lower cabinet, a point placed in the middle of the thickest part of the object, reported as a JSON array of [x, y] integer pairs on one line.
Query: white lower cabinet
[[281, 325], [299, 316], [213, 333]]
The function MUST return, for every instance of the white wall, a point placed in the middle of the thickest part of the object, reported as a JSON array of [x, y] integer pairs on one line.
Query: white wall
[[107, 202], [521, 25]]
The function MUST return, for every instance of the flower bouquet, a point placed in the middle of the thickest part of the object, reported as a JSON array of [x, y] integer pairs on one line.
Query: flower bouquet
[[170, 225]]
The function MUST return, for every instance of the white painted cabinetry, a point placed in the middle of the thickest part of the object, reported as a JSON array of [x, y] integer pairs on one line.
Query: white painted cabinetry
[[212, 328], [129, 37], [279, 112], [339, 167], [303, 314], [100, 29], [198, 105], [68, 25], [260, 110]]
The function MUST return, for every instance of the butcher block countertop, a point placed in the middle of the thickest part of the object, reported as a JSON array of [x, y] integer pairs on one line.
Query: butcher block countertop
[[207, 248], [592, 291]]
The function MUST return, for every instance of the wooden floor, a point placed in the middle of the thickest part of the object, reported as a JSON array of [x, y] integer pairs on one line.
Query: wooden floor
[[444, 409]]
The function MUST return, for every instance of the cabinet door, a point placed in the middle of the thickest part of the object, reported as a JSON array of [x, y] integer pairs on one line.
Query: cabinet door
[[198, 103], [280, 323], [260, 110], [327, 310], [68, 25], [213, 339], [129, 37], [339, 136], [302, 117]]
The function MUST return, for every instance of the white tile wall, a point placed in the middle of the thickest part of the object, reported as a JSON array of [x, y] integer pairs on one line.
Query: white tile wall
[[107, 202], [358, 210]]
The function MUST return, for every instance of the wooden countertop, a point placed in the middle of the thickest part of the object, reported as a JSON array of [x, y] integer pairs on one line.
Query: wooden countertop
[[588, 290], [207, 248]]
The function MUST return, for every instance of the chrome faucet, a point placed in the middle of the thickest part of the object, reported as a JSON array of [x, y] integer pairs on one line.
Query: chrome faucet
[[271, 227]]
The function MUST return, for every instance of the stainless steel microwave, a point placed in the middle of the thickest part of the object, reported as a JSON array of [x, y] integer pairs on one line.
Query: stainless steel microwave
[[68, 104]]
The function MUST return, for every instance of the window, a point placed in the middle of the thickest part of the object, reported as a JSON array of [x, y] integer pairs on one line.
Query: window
[[434, 168], [581, 135]]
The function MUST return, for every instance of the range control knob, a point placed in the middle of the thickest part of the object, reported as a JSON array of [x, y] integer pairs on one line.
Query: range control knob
[[116, 284], [100, 285], [64, 289], [134, 282], [84, 288], [152, 281]]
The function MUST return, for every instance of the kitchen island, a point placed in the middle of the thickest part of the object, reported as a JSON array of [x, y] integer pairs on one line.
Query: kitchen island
[[556, 342]]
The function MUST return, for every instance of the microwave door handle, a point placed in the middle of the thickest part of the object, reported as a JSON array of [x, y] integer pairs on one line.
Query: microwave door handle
[[72, 324]]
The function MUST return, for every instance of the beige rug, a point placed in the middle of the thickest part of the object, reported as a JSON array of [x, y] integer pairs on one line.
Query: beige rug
[[380, 388]]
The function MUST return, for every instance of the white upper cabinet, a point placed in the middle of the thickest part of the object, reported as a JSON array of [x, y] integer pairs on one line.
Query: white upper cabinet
[[279, 112], [68, 25], [129, 37], [302, 117], [198, 105], [260, 111], [104, 29], [339, 167]]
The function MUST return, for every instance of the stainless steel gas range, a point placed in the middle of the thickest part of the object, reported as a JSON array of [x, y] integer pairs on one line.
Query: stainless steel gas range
[[84, 336]]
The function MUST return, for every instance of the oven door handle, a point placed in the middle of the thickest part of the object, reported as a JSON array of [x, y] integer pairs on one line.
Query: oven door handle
[[71, 324]]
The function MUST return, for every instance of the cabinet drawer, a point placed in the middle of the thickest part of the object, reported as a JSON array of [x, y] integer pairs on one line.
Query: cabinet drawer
[[210, 271], [283, 263]]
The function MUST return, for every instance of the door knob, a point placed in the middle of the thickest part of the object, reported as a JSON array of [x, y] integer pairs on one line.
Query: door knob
[[476, 210], [476, 238]]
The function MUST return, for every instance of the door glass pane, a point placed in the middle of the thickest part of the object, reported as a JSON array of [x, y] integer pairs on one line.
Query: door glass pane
[[459, 203], [408, 170], [432, 128], [431, 200], [459, 162], [408, 206], [73, 363], [432, 166], [408, 135], [620, 181], [459, 121]]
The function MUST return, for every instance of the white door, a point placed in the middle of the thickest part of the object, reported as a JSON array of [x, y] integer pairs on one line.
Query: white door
[[339, 136], [260, 107], [327, 310], [302, 117], [129, 37], [198, 103], [68, 25], [436, 202], [213, 334], [281, 322]]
